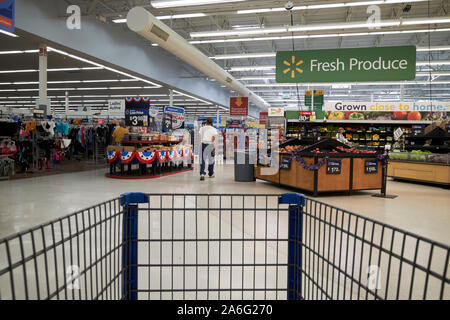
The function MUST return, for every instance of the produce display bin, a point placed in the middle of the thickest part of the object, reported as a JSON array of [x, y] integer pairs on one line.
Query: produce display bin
[[315, 172], [420, 167]]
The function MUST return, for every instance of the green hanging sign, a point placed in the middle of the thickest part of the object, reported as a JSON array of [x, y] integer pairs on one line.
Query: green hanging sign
[[345, 65]]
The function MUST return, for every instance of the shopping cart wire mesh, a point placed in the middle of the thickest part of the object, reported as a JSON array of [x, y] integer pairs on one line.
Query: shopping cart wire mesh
[[219, 247]]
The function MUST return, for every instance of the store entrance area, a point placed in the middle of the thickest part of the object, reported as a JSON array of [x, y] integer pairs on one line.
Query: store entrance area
[[418, 208]]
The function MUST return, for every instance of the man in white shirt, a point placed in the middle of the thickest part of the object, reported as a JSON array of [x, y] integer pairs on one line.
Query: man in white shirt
[[208, 139]]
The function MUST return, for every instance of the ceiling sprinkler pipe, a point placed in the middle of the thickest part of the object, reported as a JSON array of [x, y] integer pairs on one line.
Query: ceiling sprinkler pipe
[[144, 23]]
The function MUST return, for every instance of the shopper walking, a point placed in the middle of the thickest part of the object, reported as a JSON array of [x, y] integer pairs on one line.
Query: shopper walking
[[208, 139], [119, 132]]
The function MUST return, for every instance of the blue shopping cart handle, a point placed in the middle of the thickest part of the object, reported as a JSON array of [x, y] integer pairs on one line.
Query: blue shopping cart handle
[[133, 198], [292, 198]]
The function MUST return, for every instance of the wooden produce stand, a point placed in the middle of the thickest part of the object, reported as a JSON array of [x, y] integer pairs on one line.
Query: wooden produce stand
[[431, 167], [326, 171], [420, 172]]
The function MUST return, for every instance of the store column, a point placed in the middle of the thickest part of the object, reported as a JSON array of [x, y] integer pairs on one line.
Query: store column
[[43, 77], [171, 98], [66, 96]]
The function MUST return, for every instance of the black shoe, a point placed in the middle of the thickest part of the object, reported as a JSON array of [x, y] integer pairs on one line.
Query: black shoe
[[202, 177]]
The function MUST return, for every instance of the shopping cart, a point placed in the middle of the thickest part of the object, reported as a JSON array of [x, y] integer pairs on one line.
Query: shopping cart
[[200, 246]]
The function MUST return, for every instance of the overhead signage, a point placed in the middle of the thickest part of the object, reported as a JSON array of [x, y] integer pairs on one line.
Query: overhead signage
[[334, 166], [318, 100], [341, 65], [116, 107], [137, 111], [263, 117], [371, 166], [178, 116], [308, 98], [275, 112], [234, 124], [425, 106], [7, 14], [238, 106]]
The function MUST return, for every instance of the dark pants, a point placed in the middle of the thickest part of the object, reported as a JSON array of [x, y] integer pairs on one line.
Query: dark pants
[[207, 153]]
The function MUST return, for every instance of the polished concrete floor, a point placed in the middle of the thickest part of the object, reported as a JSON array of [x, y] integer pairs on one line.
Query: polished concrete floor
[[421, 209]]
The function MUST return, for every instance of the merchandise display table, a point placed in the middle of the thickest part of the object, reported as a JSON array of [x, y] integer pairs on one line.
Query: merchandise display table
[[131, 161], [316, 172]]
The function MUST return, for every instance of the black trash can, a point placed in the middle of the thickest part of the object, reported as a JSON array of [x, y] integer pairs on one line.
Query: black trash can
[[244, 171]]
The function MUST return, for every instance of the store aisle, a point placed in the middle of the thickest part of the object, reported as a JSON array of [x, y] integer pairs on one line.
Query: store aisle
[[424, 210]]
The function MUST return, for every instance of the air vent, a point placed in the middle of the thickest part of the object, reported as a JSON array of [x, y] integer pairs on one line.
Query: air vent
[[160, 33], [229, 80]]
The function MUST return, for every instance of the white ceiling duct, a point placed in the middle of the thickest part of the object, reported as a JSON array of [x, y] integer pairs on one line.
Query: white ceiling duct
[[144, 23]]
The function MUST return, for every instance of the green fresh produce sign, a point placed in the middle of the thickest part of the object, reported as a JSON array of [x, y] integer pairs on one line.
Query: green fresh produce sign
[[355, 64]]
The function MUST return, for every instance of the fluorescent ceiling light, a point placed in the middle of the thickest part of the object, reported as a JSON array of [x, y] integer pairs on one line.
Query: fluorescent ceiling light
[[251, 68], [181, 16], [169, 17], [256, 78], [311, 36], [103, 67], [9, 34], [184, 3], [430, 20], [244, 56], [315, 27], [327, 5], [19, 51], [434, 48], [433, 63]]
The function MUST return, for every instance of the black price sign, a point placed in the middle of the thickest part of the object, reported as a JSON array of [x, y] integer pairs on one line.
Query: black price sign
[[371, 166], [418, 130], [334, 166], [135, 117], [285, 163]]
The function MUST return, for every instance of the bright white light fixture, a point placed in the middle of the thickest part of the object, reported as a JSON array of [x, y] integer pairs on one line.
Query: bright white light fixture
[[327, 6], [251, 68], [9, 34], [316, 27], [244, 56], [311, 36], [184, 3], [181, 16]]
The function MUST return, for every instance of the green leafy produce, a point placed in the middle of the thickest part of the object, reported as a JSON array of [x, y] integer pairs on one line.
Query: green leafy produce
[[356, 116]]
